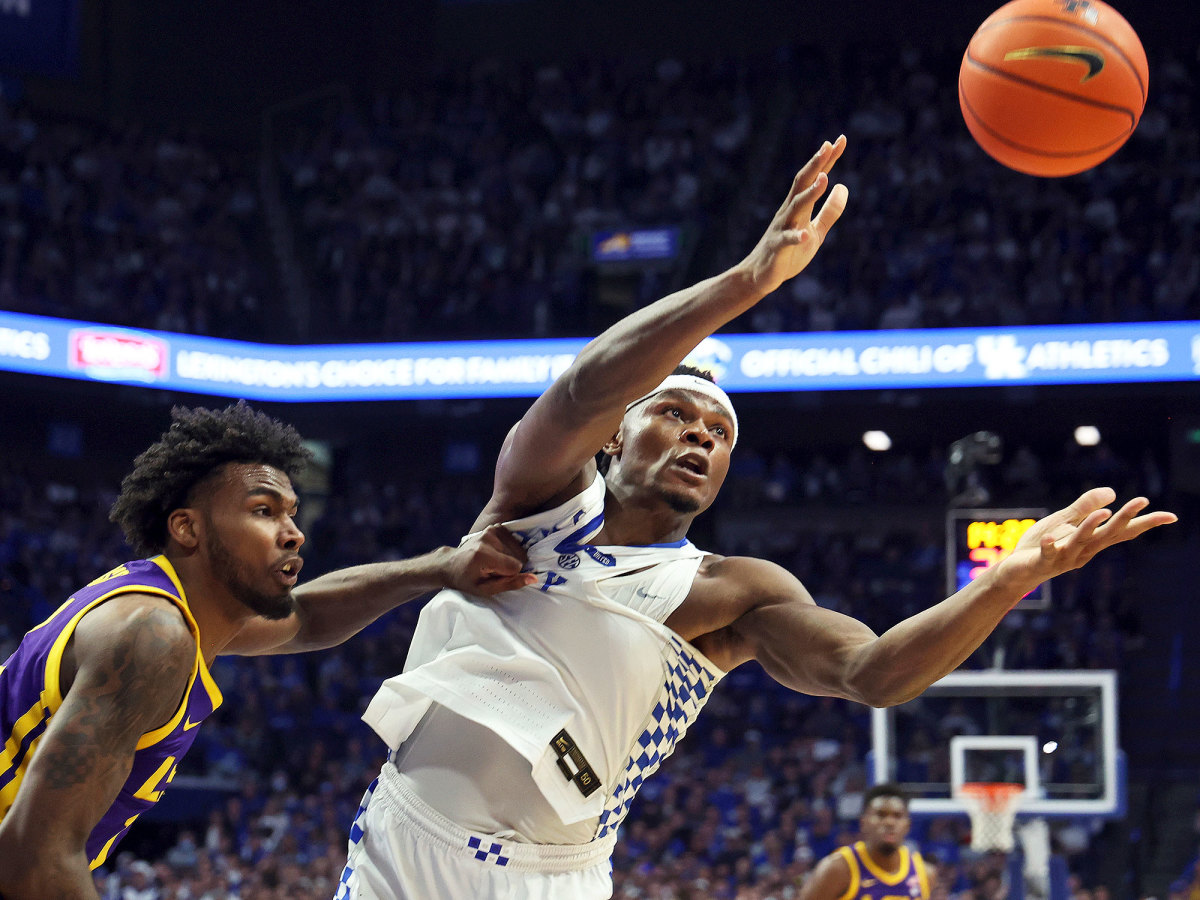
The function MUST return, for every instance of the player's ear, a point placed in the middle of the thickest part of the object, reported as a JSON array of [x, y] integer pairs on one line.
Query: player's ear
[[613, 446], [182, 527]]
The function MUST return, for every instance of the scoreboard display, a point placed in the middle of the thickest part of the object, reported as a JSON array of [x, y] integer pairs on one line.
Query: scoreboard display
[[977, 539]]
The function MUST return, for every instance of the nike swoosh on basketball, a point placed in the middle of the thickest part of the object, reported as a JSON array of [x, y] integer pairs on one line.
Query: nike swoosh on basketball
[[1093, 59]]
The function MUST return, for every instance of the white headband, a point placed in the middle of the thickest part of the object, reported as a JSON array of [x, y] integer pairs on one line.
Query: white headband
[[696, 385]]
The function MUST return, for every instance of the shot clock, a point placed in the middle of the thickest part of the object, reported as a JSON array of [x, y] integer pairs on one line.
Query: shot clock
[[977, 539]]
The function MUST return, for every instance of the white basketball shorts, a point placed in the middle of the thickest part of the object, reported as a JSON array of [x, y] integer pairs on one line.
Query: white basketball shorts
[[402, 849]]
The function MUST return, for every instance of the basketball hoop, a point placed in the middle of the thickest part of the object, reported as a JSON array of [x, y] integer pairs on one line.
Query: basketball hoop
[[992, 807]]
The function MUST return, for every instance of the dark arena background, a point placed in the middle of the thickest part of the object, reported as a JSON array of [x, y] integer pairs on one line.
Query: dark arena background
[[296, 174]]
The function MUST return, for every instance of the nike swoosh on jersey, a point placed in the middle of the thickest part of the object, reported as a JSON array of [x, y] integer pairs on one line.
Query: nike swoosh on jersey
[[641, 592], [188, 724]]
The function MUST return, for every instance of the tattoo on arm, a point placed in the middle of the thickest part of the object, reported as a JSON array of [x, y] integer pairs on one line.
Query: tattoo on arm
[[130, 683]]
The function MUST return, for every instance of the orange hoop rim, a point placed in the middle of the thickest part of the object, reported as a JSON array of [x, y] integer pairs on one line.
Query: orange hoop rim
[[994, 796]]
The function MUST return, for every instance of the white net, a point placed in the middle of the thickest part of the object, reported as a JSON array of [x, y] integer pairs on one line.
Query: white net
[[993, 809]]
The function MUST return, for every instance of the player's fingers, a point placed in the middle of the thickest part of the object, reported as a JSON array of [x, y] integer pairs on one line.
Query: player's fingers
[[506, 540], [808, 172], [1142, 524], [835, 153], [1125, 514], [831, 210], [794, 236], [501, 562], [800, 210], [487, 557], [498, 585], [1092, 521], [1049, 545], [1126, 524], [1081, 534], [1088, 502], [1152, 520]]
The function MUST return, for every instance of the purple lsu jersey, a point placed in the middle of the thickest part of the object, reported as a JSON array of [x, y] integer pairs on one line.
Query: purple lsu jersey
[[30, 694], [868, 882]]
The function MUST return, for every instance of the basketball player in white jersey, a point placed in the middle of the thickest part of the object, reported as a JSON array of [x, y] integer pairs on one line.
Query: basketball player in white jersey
[[522, 726]]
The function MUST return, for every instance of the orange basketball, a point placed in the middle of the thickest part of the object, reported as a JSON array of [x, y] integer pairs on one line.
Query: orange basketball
[[1053, 87]]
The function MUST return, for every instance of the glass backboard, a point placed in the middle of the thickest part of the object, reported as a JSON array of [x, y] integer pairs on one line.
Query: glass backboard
[[1054, 732]]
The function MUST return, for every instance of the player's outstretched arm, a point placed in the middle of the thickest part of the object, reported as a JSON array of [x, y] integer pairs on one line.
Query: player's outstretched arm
[[130, 659], [337, 606], [819, 651], [548, 453], [920, 650]]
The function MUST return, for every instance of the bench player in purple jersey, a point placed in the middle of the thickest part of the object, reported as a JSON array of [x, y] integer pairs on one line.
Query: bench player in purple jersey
[[879, 866], [99, 702]]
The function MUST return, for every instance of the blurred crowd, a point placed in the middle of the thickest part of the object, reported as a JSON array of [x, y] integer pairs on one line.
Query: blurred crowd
[[466, 206], [768, 782], [128, 225], [465, 209]]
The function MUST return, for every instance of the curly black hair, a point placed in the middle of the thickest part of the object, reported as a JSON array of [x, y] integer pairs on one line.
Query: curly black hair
[[196, 445], [603, 459]]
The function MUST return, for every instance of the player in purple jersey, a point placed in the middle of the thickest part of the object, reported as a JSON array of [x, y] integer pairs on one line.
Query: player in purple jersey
[[100, 701], [879, 866]]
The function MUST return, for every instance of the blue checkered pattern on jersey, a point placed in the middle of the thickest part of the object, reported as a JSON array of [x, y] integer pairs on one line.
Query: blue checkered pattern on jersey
[[356, 836], [343, 888], [487, 850], [683, 694]]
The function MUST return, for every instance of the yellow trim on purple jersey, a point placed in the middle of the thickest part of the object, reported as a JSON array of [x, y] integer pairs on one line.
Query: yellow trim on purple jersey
[[869, 882], [889, 878], [852, 890]]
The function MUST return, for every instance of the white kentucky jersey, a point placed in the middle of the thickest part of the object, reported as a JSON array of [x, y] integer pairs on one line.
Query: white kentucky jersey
[[576, 672]]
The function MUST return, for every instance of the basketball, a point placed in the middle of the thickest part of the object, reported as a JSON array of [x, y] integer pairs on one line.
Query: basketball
[[1053, 87]]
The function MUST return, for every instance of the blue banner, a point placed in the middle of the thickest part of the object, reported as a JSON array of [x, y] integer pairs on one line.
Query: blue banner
[[859, 360]]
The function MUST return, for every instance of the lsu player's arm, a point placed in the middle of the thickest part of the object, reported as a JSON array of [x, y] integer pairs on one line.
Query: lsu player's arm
[[548, 455], [124, 673], [830, 880], [337, 606], [931, 877]]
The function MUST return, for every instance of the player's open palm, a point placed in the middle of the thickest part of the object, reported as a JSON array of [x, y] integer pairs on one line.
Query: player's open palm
[[795, 234], [1067, 539]]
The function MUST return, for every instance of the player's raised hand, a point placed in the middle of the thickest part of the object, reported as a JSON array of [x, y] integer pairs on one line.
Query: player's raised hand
[[488, 563], [1069, 538], [795, 234]]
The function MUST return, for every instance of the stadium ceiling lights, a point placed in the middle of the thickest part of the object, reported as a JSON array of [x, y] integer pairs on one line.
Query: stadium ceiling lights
[[879, 441]]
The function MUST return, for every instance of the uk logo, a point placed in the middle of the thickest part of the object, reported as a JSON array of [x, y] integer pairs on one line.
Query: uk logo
[[1002, 356]]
